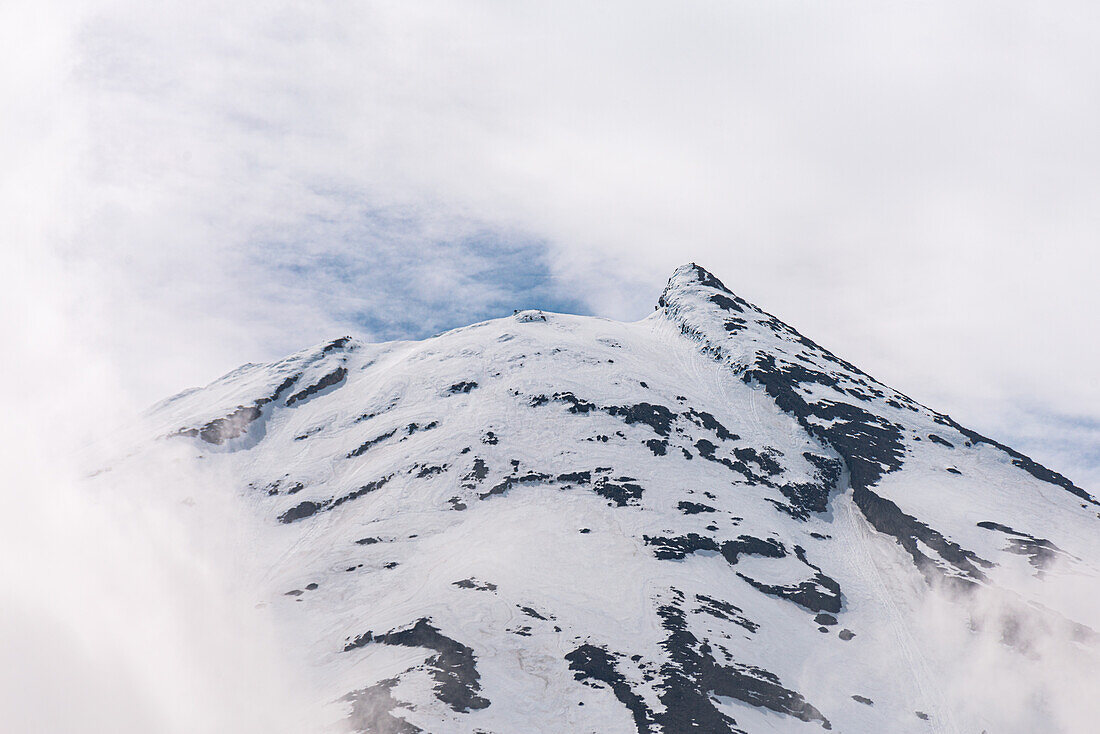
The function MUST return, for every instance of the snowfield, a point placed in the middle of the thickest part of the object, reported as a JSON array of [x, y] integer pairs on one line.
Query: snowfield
[[699, 522]]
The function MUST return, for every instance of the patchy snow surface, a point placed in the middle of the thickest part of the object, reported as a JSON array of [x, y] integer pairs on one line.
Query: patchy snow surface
[[701, 521]]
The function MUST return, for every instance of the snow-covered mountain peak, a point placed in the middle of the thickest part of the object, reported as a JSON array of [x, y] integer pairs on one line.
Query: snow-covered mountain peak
[[691, 276], [693, 294], [701, 521], [732, 329]]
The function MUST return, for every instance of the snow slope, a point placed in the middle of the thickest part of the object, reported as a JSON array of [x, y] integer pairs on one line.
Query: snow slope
[[701, 521]]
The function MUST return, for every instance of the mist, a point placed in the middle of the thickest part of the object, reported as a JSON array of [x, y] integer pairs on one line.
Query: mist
[[131, 600], [1014, 665]]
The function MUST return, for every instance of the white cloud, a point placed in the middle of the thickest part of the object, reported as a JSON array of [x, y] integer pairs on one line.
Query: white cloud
[[912, 184], [189, 186]]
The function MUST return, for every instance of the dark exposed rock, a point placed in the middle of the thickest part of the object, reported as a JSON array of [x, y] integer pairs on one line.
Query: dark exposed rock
[[707, 450], [453, 667], [724, 610], [748, 545], [1033, 468], [336, 344], [1040, 552], [751, 456], [657, 417], [678, 547], [590, 662], [870, 444], [705, 420], [734, 325], [332, 378], [511, 481], [820, 593], [693, 508], [234, 425], [532, 613], [725, 303], [693, 676], [809, 497], [887, 517], [576, 405], [356, 494], [220, 430], [367, 445], [813, 594], [309, 508], [462, 387], [477, 473], [300, 511], [622, 494], [703, 277], [475, 584]]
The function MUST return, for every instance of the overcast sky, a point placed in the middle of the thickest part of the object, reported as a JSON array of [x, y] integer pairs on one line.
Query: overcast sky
[[915, 185]]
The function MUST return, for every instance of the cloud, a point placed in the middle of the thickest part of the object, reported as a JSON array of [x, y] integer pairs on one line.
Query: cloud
[[190, 186], [1011, 666], [910, 184], [121, 610], [128, 613]]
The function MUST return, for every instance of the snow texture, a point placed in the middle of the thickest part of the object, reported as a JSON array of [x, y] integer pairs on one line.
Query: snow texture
[[699, 522]]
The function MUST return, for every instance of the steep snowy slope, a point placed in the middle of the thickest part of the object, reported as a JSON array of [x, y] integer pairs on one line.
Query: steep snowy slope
[[701, 521]]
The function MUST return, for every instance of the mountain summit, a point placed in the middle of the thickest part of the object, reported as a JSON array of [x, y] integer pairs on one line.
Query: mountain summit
[[699, 522]]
